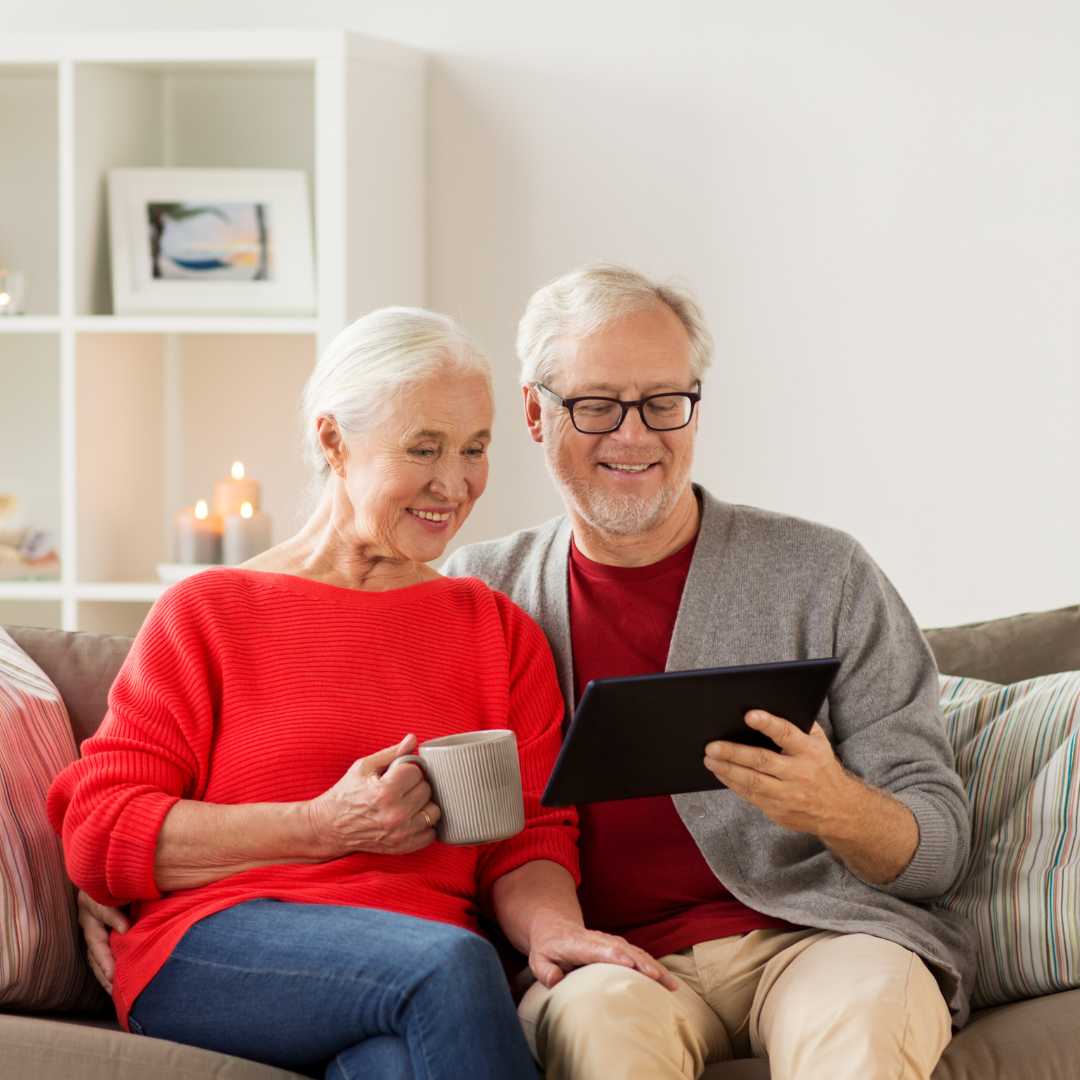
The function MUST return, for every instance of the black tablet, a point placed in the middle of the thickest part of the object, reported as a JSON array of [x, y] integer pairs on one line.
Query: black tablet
[[646, 735]]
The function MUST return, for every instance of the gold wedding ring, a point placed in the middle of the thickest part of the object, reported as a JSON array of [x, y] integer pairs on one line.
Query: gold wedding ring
[[427, 819]]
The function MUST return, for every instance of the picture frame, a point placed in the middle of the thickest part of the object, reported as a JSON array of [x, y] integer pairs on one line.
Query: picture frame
[[211, 242]]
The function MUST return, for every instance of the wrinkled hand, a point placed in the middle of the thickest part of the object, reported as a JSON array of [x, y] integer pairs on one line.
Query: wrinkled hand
[[95, 920], [803, 787], [562, 945], [376, 806]]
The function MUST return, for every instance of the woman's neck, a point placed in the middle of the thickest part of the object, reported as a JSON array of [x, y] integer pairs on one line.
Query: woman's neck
[[328, 548]]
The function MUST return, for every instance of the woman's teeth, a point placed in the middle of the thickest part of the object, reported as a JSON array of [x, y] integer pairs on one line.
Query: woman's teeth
[[427, 515]]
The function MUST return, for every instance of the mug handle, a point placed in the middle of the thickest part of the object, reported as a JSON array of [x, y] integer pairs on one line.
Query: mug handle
[[411, 759]]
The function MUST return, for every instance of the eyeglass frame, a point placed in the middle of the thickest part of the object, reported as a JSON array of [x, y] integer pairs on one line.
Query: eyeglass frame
[[626, 406]]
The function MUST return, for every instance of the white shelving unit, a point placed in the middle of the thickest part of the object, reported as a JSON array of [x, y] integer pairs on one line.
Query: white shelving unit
[[109, 424]]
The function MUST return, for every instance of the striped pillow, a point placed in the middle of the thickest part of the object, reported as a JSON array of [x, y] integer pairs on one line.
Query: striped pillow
[[1018, 751], [41, 953]]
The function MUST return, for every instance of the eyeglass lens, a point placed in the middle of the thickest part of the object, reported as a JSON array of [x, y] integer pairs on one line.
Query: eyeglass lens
[[662, 413]]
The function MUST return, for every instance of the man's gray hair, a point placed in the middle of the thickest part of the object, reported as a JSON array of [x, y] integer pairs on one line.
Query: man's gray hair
[[582, 302], [373, 360]]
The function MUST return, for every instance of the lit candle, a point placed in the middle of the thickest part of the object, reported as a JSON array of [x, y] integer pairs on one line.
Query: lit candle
[[230, 495], [247, 534], [198, 535]]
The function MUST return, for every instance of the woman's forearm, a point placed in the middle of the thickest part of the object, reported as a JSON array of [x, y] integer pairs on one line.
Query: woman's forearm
[[538, 893], [200, 843]]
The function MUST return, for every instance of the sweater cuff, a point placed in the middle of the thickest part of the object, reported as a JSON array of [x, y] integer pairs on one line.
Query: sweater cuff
[[129, 865], [931, 870]]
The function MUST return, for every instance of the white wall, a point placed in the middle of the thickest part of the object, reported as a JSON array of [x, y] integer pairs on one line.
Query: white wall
[[878, 204]]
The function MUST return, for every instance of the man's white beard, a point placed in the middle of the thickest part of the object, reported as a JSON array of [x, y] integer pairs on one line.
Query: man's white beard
[[621, 515], [611, 512]]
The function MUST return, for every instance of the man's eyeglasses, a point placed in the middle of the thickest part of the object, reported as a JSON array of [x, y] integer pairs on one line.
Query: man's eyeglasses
[[600, 415]]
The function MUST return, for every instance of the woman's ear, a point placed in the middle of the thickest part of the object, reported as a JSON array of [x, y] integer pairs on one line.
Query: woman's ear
[[532, 413], [333, 445]]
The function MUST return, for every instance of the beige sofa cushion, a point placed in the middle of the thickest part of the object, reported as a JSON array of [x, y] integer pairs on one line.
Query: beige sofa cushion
[[50, 1049]]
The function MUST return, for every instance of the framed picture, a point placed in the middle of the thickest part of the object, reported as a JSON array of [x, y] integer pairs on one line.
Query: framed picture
[[210, 241]]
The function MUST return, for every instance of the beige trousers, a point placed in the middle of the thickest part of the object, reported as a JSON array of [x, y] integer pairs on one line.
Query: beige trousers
[[817, 1004]]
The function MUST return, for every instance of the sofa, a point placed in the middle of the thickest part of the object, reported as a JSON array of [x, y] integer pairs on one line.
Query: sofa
[[1035, 1039]]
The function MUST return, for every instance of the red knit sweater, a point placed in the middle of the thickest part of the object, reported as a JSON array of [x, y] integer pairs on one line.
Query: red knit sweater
[[247, 687]]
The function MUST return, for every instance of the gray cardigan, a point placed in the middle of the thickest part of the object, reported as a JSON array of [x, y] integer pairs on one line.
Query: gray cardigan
[[766, 587]]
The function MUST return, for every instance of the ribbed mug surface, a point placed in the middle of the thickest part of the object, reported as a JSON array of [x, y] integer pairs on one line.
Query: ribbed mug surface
[[476, 783]]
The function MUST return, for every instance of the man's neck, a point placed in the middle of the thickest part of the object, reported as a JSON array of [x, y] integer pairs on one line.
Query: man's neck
[[640, 549]]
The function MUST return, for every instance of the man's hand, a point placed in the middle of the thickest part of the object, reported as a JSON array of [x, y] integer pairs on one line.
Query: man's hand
[[95, 920], [803, 787], [561, 945]]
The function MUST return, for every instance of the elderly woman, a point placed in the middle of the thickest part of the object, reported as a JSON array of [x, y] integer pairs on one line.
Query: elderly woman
[[289, 901]]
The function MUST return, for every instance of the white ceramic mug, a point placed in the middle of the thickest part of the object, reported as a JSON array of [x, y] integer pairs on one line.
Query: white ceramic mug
[[476, 782]]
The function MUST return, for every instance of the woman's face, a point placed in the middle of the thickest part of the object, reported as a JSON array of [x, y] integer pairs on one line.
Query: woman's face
[[412, 481]]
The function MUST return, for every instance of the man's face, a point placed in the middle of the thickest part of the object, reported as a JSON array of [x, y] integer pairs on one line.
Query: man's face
[[647, 352]]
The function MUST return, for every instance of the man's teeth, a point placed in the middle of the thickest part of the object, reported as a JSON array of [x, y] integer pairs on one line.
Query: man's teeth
[[427, 515], [627, 468]]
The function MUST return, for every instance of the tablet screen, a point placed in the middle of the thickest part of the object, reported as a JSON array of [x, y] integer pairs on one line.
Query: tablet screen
[[646, 735]]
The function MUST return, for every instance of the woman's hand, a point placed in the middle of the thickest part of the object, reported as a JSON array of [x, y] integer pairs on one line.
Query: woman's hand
[[376, 806], [560, 945], [95, 920]]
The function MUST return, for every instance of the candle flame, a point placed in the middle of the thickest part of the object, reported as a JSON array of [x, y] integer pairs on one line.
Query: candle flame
[[202, 510], [237, 470], [246, 510]]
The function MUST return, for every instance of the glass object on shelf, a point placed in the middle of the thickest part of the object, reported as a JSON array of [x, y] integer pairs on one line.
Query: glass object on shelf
[[12, 285]]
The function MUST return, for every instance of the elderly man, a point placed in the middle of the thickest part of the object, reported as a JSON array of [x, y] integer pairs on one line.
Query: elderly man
[[792, 907]]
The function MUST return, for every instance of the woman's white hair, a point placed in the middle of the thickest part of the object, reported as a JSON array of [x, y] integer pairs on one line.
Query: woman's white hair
[[373, 360], [582, 302]]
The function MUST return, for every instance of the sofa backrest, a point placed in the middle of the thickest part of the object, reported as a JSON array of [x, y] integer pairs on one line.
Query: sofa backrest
[[83, 666], [1009, 650]]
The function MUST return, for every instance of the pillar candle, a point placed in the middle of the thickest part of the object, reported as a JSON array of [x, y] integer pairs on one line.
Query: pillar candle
[[198, 535], [247, 534], [231, 494]]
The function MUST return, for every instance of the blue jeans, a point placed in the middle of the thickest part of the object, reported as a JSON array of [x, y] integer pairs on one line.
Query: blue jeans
[[362, 993]]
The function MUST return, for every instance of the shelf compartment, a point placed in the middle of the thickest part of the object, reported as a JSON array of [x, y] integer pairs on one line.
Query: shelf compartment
[[99, 617], [22, 612], [162, 418], [29, 182], [119, 389], [240, 115], [30, 433]]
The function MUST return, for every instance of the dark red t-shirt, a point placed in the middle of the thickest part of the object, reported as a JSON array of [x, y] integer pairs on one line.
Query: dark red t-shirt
[[642, 874]]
